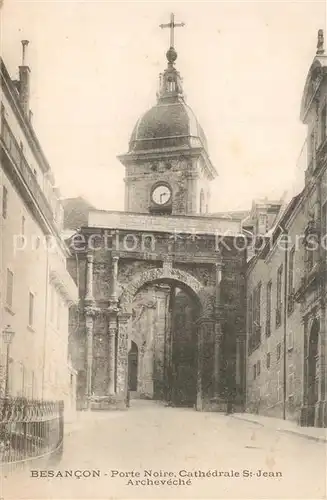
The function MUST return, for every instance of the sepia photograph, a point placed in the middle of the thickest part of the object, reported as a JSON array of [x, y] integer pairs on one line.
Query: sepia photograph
[[163, 250]]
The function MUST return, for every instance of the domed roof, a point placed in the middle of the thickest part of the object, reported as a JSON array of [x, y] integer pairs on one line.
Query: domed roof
[[168, 124]]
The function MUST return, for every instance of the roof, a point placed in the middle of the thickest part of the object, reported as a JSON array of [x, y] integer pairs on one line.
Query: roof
[[167, 124], [76, 211]]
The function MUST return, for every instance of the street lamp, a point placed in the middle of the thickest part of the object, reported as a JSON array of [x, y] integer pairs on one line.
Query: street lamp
[[7, 335]]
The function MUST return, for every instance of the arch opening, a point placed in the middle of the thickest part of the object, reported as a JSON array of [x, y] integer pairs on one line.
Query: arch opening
[[163, 325], [133, 367]]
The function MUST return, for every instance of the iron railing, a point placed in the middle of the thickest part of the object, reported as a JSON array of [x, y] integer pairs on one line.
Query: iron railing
[[29, 429]]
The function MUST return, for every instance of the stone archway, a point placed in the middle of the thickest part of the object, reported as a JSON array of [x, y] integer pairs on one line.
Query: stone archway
[[164, 275], [179, 391]]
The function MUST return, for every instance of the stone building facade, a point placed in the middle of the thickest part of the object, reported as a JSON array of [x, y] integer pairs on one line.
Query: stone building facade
[[286, 292], [198, 309], [36, 289], [162, 285]]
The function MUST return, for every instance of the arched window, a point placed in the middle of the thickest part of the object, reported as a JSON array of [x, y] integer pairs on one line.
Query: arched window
[[202, 205]]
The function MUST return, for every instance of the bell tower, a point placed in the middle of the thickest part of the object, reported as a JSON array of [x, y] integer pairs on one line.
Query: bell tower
[[167, 168]]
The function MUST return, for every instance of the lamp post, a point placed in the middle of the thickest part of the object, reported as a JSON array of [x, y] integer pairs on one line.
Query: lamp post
[[7, 335]]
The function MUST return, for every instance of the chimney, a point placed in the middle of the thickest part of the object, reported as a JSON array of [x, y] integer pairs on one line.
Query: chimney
[[320, 43], [24, 82]]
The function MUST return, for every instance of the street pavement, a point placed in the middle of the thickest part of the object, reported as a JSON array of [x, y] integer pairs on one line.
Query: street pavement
[[153, 451]]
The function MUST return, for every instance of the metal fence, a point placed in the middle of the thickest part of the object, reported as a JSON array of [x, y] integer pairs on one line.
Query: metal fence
[[29, 429]]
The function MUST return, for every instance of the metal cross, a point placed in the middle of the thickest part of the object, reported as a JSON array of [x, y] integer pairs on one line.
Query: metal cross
[[172, 25]]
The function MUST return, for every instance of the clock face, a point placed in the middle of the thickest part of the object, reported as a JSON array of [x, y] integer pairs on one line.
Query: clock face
[[161, 194]]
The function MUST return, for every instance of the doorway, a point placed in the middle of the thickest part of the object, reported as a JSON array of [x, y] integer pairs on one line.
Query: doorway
[[132, 367]]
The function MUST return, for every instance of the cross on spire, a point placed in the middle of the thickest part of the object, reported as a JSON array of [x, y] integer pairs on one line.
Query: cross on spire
[[172, 25]]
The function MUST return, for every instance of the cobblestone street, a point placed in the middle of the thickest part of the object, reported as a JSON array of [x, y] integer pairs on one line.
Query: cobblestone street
[[130, 451]]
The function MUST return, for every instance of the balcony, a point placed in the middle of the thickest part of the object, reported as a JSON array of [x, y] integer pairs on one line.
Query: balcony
[[24, 177]]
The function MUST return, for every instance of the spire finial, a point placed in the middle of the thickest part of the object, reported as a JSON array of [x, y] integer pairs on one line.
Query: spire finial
[[24, 46], [171, 53], [320, 42]]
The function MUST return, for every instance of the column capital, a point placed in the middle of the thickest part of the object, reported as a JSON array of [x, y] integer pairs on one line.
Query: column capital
[[192, 175], [123, 317], [89, 257], [91, 310], [113, 307], [205, 320]]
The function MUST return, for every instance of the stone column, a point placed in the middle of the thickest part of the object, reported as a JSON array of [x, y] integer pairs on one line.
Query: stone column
[[114, 279], [112, 325], [122, 354], [191, 190], [89, 278], [112, 332], [321, 405], [218, 332], [89, 323], [304, 407], [199, 398]]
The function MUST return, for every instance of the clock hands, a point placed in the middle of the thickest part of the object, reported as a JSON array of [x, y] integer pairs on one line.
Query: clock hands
[[161, 195]]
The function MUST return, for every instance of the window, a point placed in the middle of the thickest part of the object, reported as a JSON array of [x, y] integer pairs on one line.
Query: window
[[291, 272], [279, 296], [23, 225], [291, 381], [262, 223], [10, 288], [250, 323], [290, 298], [4, 202], [311, 146], [31, 310], [258, 368], [279, 387], [309, 259], [256, 314], [268, 360], [279, 351], [268, 309], [323, 123], [254, 372]]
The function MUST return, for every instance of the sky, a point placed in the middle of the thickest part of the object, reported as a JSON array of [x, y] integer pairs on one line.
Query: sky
[[94, 71]]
